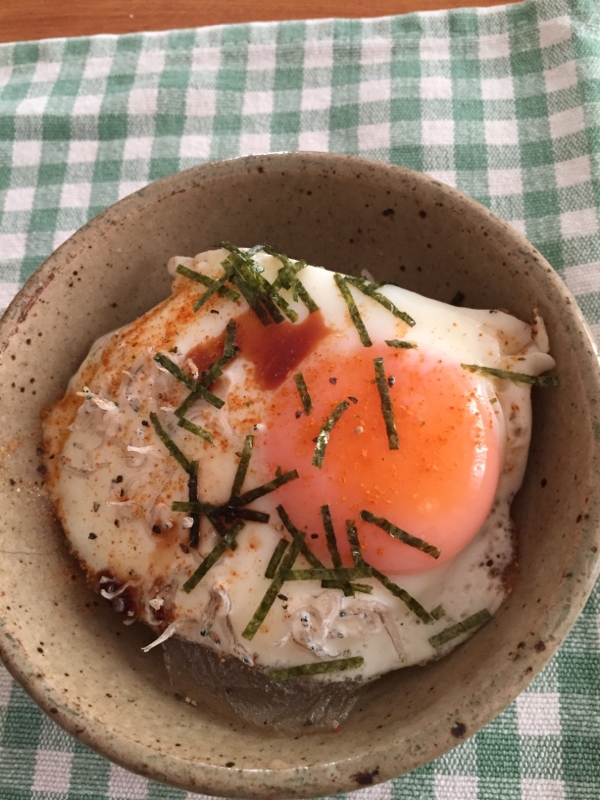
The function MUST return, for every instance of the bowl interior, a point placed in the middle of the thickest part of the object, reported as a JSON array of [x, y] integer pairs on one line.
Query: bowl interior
[[73, 654]]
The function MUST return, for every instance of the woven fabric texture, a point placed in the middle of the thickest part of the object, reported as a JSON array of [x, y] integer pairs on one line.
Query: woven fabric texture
[[503, 103]]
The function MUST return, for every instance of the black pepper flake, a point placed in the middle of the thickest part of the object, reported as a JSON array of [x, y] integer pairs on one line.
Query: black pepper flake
[[96, 506], [458, 730], [145, 423], [156, 529], [118, 479], [230, 764], [282, 597], [184, 548], [92, 536], [42, 469], [333, 380], [391, 380], [12, 481], [299, 414], [117, 523], [353, 399], [214, 311], [314, 536]]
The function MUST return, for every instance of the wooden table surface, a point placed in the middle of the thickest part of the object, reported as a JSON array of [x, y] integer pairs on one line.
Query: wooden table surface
[[39, 19]]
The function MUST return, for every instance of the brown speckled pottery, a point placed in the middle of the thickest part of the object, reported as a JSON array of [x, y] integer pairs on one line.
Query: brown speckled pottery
[[73, 654]]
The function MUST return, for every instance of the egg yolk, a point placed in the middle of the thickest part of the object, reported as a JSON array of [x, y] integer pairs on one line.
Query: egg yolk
[[439, 485]]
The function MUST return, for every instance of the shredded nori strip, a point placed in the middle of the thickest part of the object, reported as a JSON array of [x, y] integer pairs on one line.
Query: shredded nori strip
[[215, 286], [303, 392], [323, 437], [386, 404], [200, 389], [198, 430], [315, 668], [193, 495], [220, 527], [356, 587], [353, 310], [438, 612], [166, 363], [400, 344], [330, 536], [286, 278], [474, 621], [517, 377], [177, 454], [282, 546], [224, 291], [338, 574], [212, 558], [370, 289], [355, 548], [333, 548], [261, 491], [398, 533], [403, 595], [227, 511], [263, 298], [242, 468], [297, 536], [286, 563]]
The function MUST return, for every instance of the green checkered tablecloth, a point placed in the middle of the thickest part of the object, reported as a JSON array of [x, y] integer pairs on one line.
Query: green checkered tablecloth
[[503, 103]]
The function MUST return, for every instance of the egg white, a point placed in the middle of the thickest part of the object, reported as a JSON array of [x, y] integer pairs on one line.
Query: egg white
[[98, 451]]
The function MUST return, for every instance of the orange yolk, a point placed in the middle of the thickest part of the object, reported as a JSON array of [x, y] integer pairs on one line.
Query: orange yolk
[[438, 486]]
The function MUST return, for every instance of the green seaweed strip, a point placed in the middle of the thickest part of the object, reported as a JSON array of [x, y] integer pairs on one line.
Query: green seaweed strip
[[401, 344], [166, 363], [261, 491], [242, 468], [437, 613], [315, 668], [330, 536], [224, 291], [282, 546], [355, 548], [398, 533], [215, 371], [194, 539], [323, 437], [356, 587], [474, 621], [386, 404], [353, 309], [370, 290], [287, 562], [177, 454], [303, 392], [517, 377], [220, 527], [286, 279], [212, 558], [215, 286], [198, 430], [264, 293], [231, 512], [299, 537], [403, 595], [333, 548], [338, 574]]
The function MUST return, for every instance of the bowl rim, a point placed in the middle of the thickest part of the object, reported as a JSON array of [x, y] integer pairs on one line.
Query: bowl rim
[[325, 777]]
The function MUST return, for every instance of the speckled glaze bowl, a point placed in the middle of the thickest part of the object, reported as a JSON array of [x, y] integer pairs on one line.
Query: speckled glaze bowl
[[72, 653]]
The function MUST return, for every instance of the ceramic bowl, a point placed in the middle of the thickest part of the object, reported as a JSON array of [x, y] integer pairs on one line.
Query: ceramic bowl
[[72, 653]]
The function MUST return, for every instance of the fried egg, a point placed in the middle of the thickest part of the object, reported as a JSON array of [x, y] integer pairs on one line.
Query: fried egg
[[307, 472]]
